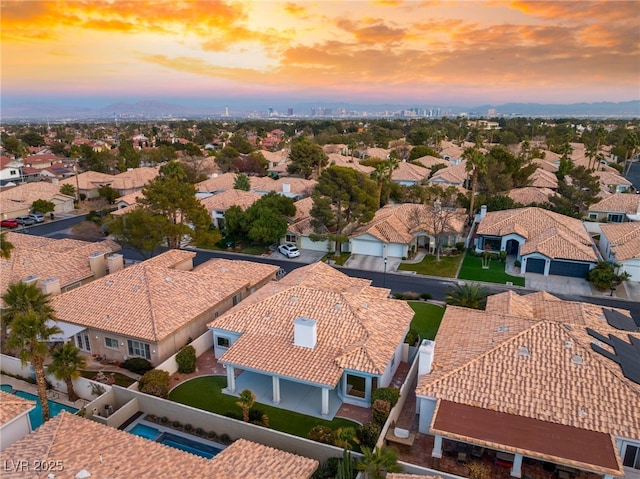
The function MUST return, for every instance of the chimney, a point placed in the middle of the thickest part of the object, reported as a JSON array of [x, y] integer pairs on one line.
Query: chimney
[[115, 262], [51, 286], [304, 332], [31, 279], [483, 211], [425, 360], [286, 187], [97, 265]]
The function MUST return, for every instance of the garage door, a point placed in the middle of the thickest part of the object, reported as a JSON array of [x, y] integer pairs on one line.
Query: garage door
[[535, 266], [568, 268], [370, 248]]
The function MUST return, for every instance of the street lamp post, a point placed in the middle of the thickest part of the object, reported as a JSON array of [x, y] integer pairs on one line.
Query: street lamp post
[[384, 275]]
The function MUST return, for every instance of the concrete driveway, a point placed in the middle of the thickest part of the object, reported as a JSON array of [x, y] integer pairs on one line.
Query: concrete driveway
[[557, 284], [372, 263], [306, 256]]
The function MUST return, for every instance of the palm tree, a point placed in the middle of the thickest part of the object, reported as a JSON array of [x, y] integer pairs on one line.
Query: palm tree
[[345, 437], [21, 297], [246, 399], [5, 246], [476, 163], [66, 361], [378, 462], [379, 175], [470, 295], [29, 332]]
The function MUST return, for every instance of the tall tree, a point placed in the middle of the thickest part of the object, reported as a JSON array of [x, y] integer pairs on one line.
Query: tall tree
[[342, 198], [575, 196], [66, 361], [5, 246], [140, 229], [242, 182], [307, 159], [476, 164], [21, 297], [42, 206], [175, 199], [68, 189], [29, 333]]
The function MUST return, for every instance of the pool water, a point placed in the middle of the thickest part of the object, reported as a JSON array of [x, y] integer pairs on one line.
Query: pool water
[[172, 440], [35, 415]]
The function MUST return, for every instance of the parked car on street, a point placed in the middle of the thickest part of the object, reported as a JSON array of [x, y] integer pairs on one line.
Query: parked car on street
[[9, 223], [37, 217], [25, 220], [289, 250]]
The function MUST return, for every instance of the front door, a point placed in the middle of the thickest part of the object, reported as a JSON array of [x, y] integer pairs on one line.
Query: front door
[[82, 341]]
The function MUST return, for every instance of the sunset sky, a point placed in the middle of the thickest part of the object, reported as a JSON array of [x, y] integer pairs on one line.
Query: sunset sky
[[415, 52]]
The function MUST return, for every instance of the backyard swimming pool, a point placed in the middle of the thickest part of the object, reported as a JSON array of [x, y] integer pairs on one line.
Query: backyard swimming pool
[[194, 447], [35, 415]]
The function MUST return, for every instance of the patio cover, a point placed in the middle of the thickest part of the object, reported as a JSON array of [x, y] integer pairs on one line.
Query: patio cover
[[68, 330], [572, 446]]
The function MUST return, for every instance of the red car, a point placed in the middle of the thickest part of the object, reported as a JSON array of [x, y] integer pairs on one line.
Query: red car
[[9, 223]]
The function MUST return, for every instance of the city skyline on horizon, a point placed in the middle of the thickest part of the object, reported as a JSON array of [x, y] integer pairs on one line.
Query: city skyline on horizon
[[377, 52]]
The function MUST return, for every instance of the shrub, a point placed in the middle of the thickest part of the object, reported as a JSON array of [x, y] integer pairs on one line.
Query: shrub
[[460, 247], [517, 263], [368, 433], [176, 425], [503, 256], [426, 296], [199, 431], [164, 420], [224, 439], [187, 427], [322, 434], [186, 360], [155, 382], [411, 337], [255, 415], [212, 435], [137, 365], [398, 295], [380, 411], [410, 295], [391, 395]]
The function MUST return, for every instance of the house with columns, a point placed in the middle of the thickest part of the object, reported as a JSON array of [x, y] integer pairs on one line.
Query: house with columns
[[317, 333], [537, 379]]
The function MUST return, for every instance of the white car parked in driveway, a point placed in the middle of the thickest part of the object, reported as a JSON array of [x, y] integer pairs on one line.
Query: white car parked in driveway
[[289, 250]]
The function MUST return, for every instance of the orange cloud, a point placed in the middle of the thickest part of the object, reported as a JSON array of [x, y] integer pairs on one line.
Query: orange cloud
[[376, 32]]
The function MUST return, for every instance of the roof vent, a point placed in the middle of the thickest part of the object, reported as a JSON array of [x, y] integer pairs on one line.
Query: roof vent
[[224, 269], [293, 299], [568, 344], [502, 329], [577, 359], [136, 288], [108, 283], [338, 306], [365, 305], [582, 412], [523, 352], [168, 279]]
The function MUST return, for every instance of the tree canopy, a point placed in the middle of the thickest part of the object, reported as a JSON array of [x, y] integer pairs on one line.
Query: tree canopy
[[307, 159]]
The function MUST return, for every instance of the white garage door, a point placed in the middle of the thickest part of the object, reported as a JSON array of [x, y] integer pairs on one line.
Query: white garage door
[[633, 270], [370, 248], [395, 250]]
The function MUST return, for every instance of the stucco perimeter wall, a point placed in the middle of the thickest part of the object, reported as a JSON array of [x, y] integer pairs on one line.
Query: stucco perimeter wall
[[221, 424], [201, 344]]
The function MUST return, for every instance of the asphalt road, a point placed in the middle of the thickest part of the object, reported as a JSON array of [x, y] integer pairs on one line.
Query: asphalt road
[[397, 282]]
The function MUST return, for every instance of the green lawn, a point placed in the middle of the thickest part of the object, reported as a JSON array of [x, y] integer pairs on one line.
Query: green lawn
[[339, 260], [427, 319], [121, 379], [446, 267], [205, 393], [472, 270]]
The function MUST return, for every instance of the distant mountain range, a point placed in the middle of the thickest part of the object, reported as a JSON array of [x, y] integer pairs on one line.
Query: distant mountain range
[[43, 111]]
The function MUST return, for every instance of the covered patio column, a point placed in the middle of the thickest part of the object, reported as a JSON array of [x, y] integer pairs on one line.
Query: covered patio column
[[437, 446], [275, 380], [231, 379], [516, 467], [325, 402]]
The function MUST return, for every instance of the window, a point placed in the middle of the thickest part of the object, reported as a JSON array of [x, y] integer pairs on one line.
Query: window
[[111, 343], [137, 348], [290, 238], [632, 457], [593, 216], [216, 314], [237, 298], [223, 342], [615, 218]]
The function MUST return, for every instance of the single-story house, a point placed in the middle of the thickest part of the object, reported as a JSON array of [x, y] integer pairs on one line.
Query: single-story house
[[317, 332], [617, 208], [76, 447], [89, 182], [219, 203], [542, 178], [152, 308], [408, 174], [531, 195], [397, 230], [620, 243], [56, 265], [14, 419], [348, 162], [545, 242], [454, 175], [537, 379], [613, 182], [17, 200], [301, 229]]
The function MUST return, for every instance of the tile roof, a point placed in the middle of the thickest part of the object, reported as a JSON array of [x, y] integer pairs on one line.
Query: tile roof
[[221, 182], [530, 194], [89, 180], [619, 203], [12, 406], [607, 178], [251, 272], [152, 299], [455, 174], [24, 195], [341, 160], [116, 453], [358, 327], [65, 259], [543, 179], [135, 178], [224, 200], [429, 161], [397, 223], [519, 357], [545, 164], [546, 232], [410, 172], [624, 239]]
